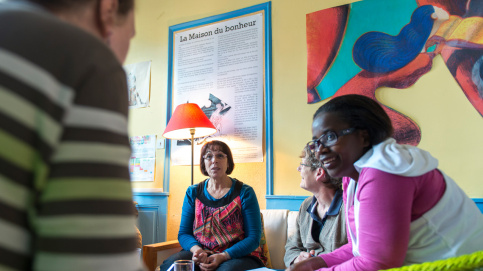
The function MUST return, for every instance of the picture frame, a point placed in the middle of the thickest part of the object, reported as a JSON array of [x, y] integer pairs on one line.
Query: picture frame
[[225, 60]]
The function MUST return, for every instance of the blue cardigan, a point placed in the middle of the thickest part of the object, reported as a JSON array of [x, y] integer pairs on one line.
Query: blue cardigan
[[251, 220]]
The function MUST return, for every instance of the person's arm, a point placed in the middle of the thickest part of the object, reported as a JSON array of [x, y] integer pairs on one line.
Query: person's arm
[[338, 256], [185, 234], [294, 245], [309, 264], [251, 224], [384, 221]]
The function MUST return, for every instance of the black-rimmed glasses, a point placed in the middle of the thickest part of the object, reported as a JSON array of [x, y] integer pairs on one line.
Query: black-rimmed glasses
[[210, 156], [328, 139]]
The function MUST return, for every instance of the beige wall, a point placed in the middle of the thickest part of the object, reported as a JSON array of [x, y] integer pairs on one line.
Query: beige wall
[[451, 129]]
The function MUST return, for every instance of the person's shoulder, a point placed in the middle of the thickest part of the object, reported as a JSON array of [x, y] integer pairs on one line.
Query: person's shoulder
[[306, 203], [379, 177], [193, 188], [39, 36], [245, 188], [375, 173], [197, 186], [308, 200], [33, 19], [86, 46], [192, 192]]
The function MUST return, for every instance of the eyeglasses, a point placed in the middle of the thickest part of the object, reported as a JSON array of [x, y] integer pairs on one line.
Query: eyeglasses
[[210, 156], [328, 139]]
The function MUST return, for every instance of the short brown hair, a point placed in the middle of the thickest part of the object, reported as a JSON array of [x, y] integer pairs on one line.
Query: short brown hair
[[223, 147], [306, 154], [125, 6]]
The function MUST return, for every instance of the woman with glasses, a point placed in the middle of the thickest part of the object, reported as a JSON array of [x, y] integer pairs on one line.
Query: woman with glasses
[[400, 208], [320, 226], [220, 222]]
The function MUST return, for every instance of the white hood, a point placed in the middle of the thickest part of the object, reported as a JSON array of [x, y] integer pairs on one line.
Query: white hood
[[403, 160]]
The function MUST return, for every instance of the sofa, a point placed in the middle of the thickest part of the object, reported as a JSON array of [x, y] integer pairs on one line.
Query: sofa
[[278, 225]]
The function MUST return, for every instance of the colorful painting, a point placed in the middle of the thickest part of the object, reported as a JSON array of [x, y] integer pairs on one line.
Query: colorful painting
[[394, 47]]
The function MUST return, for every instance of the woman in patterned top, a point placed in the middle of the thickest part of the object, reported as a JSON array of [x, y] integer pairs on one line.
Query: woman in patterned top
[[220, 222]]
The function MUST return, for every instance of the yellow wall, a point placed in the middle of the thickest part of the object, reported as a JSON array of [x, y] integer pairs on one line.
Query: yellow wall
[[451, 129]]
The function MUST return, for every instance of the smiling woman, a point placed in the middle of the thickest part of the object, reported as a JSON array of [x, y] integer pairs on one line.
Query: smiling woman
[[393, 194], [220, 222]]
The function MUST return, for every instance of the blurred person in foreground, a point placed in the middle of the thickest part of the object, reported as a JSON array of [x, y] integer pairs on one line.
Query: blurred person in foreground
[[65, 194], [320, 226], [220, 221]]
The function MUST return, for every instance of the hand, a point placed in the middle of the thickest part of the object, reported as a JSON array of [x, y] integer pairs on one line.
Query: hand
[[213, 262], [310, 264], [302, 256], [199, 255]]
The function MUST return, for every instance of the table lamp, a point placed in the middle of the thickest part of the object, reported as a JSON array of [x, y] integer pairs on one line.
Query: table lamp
[[189, 121]]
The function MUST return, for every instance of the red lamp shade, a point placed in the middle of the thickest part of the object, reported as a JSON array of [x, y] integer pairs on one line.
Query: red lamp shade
[[186, 117]]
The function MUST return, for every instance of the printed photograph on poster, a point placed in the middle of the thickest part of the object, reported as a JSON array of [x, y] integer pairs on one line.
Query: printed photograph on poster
[[138, 78], [143, 158], [220, 66], [217, 112]]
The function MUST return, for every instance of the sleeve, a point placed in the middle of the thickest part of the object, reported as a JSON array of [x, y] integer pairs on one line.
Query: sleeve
[[294, 244], [252, 224], [84, 215], [338, 256], [185, 234], [66, 196], [385, 208]]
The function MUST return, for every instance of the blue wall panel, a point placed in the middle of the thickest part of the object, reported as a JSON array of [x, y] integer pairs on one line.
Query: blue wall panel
[[284, 202], [293, 202], [479, 203], [152, 220]]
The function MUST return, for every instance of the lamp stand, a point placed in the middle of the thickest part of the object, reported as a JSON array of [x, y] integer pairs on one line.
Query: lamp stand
[[192, 133]]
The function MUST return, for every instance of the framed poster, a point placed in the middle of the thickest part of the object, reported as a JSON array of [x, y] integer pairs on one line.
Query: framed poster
[[223, 64]]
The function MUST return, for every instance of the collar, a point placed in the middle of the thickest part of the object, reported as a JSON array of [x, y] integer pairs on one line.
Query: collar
[[334, 207]]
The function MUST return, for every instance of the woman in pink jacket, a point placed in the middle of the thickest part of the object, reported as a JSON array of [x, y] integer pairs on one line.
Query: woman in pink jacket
[[400, 208]]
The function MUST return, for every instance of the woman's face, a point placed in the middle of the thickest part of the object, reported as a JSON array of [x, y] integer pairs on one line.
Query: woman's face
[[122, 32], [308, 176], [339, 159], [218, 164]]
